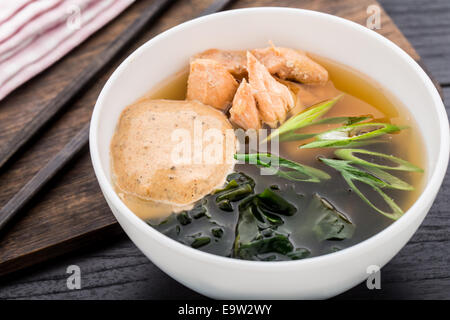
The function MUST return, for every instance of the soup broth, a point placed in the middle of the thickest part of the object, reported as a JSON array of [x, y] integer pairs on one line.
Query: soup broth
[[216, 233]]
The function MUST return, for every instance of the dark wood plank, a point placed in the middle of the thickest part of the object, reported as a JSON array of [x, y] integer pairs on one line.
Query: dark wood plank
[[426, 24], [135, 277], [74, 200]]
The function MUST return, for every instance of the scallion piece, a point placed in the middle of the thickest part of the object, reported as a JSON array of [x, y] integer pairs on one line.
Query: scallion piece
[[352, 135], [391, 181], [293, 136], [295, 171], [304, 118], [402, 165], [351, 173]]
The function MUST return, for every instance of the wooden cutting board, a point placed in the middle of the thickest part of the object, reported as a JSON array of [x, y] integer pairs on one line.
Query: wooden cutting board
[[72, 213]]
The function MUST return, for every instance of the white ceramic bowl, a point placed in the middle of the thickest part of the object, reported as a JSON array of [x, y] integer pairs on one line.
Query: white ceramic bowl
[[329, 36]]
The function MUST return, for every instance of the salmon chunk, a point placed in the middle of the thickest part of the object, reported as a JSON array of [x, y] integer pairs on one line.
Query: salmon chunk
[[210, 83], [274, 99], [233, 61], [244, 112], [291, 64]]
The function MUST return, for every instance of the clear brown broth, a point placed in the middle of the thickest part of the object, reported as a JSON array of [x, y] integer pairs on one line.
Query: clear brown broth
[[363, 96]]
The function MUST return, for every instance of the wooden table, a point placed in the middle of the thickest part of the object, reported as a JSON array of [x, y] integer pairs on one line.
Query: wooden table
[[113, 268]]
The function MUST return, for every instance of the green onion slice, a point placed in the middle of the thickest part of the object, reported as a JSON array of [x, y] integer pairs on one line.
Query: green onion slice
[[402, 165]]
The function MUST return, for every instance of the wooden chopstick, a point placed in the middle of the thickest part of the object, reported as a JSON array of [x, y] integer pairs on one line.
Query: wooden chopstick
[[33, 186], [82, 81], [63, 157]]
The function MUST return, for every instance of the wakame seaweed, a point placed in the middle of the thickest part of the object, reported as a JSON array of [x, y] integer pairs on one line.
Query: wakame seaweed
[[261, 215], [250, 229], [331, 224], [256, 232], [238, 187], [206, 228], [276, 244]]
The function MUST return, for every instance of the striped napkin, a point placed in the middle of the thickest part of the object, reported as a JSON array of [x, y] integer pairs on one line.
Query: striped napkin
[[36, 33]]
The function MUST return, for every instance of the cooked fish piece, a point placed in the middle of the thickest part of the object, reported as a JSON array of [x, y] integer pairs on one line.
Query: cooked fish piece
[[153, 154], [274, 99], [286, 63], [244, 112], [291, 64], [210, 83], [234, 61]]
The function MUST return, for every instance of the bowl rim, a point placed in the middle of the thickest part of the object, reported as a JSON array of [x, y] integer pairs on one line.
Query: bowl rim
[[429, 191]]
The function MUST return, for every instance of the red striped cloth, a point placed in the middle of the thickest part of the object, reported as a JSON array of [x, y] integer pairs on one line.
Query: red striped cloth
[[34, 34]]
